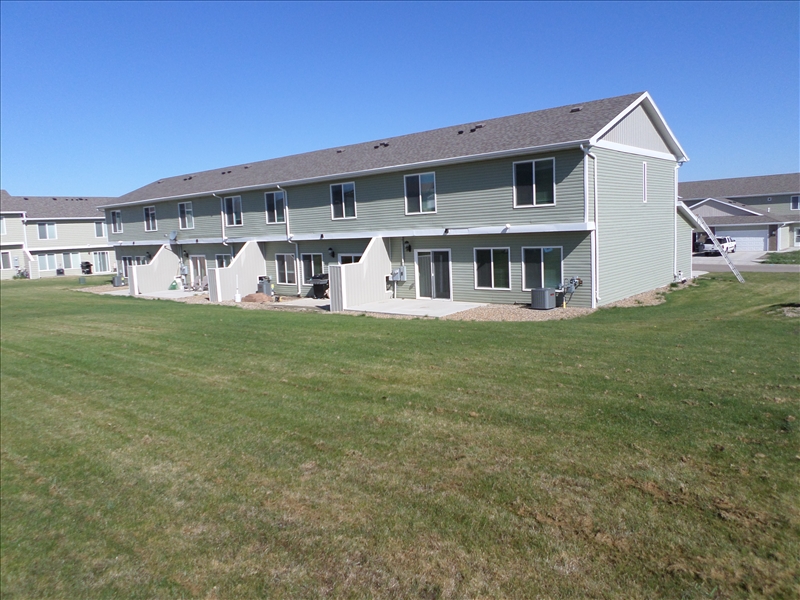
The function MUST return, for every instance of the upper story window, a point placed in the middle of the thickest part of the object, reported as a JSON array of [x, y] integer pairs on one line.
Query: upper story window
[[185, 215], [116, 221], [795, 202], [150, 223], [2, 225], [420, 193], [99, 229], [233, 211], [47, 231], [343, 201], [535, 183], [276, 207]]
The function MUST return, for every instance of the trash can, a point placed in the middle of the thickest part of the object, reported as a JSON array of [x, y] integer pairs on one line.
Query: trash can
[[320, 283], [264, 286], [116, 281]]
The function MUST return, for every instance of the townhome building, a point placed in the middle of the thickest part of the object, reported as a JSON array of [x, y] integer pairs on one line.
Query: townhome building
[[761, 213], [49, 236], [483, 211]]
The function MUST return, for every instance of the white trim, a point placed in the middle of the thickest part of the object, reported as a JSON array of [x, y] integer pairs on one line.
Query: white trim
[[522, 264], [435, 197], [723, 203], [644, 182], [192, 277], [103, 232], [449, 268], [10, 261], [233, 211], [791, 198], [344, 209], [147, 221], [108, 261], [69, 247], [533, 162], [659, 123], [635, 150], [285, 208], [475, 268], [303, 267], [285, 262], [422, 165], [355, 257], [46, 231], [191, 211], [440, 231], [119, 221], [216, 260], [36, 219], [3, 230]]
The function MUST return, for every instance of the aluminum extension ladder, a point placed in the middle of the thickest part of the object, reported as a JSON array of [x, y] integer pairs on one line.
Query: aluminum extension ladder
[[719, 248]]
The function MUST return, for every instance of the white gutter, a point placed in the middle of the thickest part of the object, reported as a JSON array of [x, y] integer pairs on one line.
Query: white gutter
[[25, 232], [595, 234], [291, 241], [376, 171]]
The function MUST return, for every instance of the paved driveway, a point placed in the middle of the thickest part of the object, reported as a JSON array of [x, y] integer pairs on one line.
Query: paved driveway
[[744, 261]]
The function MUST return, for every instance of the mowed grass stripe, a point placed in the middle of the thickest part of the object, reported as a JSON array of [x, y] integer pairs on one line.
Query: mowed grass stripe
[[152, 449]]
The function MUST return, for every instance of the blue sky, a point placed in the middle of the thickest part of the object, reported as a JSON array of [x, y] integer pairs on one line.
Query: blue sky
[[102, 98]]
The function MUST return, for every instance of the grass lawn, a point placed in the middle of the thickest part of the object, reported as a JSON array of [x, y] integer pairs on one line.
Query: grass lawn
[[783, 258], [152, 449]]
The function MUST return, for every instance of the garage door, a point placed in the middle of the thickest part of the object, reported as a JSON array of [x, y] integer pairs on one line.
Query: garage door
[[747, 240]]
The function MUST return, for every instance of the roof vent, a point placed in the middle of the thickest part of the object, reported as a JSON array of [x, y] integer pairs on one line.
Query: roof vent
[[381, 145], [460, 131], [576, 109], [246, 167], [55, 198], [339, 151], [159, 181]]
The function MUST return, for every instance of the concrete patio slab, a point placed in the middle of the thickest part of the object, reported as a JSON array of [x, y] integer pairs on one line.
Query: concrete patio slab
[[416, 308]]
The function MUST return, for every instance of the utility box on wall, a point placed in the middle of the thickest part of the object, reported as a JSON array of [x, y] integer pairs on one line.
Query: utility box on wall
[[398, 274]]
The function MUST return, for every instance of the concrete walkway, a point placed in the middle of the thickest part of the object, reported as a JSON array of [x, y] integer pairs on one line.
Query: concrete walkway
[[164, 295]]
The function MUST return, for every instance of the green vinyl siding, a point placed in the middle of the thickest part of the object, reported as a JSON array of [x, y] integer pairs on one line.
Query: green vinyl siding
[[467, 195], [576, 263], [778, 205], [636, 239], [684, 247]]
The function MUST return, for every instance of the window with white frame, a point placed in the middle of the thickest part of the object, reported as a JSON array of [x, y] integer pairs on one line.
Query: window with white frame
[[99, 229], [223, 260], [343, 201], [2, 225], [535, 183], [47, 231], [420, 193], [795, 202], [5, 260], [233, 211], [644, 183], [47, 262], [284, 263], [312, 265], [116, 221], [275, 206], [493, 268], [101, 263], [72, 260], [541, 268], [185, 215], [346, 259], [150, 223], [141, 260]]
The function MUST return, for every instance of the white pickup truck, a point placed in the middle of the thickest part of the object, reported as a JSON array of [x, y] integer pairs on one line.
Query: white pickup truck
[[728, 244]]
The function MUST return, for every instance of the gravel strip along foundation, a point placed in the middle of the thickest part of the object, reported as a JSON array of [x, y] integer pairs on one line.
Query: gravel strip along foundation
[[491, 312]]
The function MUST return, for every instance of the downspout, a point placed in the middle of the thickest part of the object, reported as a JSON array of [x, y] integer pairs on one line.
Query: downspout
[[675, 227], [595, 232], [221, 217], [289, 239]]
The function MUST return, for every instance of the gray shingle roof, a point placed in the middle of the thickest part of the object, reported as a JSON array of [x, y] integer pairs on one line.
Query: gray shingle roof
[[764, 185], [528, 130], [54, 207]]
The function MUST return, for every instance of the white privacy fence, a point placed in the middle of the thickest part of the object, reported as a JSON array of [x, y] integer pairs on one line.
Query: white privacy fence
[[248, 265], [155, 276], [361, 282]]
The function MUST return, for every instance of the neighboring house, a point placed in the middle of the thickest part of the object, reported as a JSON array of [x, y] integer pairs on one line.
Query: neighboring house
[[50, 235], [482, 212], [760, 213]]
